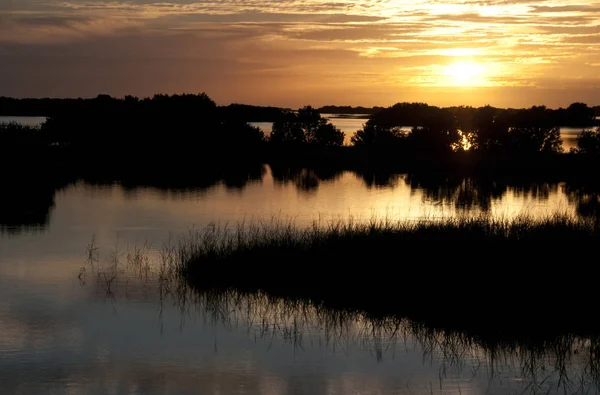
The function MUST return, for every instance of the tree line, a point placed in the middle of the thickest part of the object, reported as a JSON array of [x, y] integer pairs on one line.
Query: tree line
[[184, 123], [418, 127]]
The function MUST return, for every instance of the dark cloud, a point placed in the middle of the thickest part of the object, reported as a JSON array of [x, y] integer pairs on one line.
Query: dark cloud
[[256, 17], [46, 21]]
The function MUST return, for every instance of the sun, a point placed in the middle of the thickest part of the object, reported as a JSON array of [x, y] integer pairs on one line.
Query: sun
[[465, 74]]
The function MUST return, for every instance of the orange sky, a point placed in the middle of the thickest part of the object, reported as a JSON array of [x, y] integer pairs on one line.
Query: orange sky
[[296, 52]]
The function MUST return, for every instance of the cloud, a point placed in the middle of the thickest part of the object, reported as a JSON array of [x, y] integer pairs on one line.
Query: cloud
[[567, 8], [270, 50]]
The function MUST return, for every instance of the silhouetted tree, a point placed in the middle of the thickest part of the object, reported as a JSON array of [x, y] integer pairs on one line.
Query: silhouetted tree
[[490, 128], [588, 142], [306, 126], [248, 113], [326, 135], [287, 130], [533, 131], [437, 135], [577, 114], [433, 129], [14, 135], [529, 140], [373, 135], [240, 134]]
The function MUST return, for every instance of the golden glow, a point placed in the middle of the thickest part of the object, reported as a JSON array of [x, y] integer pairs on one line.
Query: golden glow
[[465, 143], [465, 74], [296, 52], [459, 52]]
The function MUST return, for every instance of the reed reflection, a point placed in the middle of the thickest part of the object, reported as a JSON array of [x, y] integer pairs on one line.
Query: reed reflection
[[549, 362]]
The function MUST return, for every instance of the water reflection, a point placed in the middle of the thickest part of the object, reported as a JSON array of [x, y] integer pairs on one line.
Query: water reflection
[[479, 194], [122, 324], [400, 353], [304, 179], [175, 181], [27, 202], [586, 198]]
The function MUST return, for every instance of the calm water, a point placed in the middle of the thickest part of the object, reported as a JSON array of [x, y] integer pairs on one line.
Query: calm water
[[63, 331]]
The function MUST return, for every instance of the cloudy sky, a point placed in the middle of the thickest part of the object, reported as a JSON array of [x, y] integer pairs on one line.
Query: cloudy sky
[[295, 52]]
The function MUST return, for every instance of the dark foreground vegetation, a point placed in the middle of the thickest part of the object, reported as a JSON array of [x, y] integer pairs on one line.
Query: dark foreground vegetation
[[497, 294], [493, 277]]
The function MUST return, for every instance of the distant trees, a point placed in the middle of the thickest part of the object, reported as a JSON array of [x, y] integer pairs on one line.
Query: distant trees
[[532, 139], [413, 127], [192, 122], [435, 133], [534, 130], [306, 126], [247, 113], [576, 115], [588, 142], [487, 129], [241, 134], [373, 135], [490, 129], [164, 123]]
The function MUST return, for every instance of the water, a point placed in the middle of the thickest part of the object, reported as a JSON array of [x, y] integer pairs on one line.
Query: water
[[569, 138], [63, 330]]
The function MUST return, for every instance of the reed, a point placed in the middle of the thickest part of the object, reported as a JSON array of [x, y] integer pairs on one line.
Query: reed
[[518, 276]]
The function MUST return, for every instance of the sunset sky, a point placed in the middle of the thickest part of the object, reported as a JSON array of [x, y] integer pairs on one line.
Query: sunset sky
[[296, 52]]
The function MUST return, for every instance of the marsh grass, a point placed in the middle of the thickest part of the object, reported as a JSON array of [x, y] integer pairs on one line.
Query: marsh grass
[[470, 333], [132, 269], [549, 364], [224, 242], [13, 135], [500, 276]]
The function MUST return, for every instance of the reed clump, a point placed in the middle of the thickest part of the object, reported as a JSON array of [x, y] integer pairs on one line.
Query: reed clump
[[483, 274]]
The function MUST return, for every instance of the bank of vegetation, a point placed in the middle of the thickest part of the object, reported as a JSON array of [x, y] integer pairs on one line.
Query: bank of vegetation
[[175, 136]]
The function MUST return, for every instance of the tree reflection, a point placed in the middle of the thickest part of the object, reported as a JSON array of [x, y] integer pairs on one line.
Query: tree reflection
[[303, 178], [586, 198], [26, 203], [27, 199]]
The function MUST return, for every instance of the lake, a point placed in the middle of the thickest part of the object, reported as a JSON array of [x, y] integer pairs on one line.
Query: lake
[[67, 328], [63, 330]]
